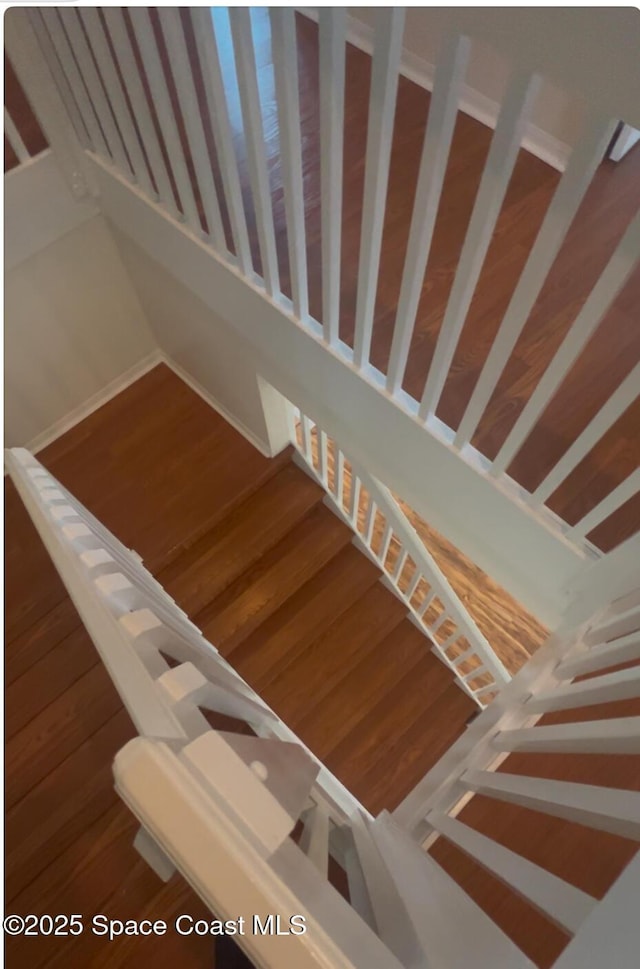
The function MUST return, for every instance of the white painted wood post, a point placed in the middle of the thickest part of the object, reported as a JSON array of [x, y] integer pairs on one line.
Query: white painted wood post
[[505, 144], [209, 58], [242, 37], [119, 34], [585, 158], [97, 39], [185, 87], [99, 100], [285, 66], [332, 40], [387, 51], [443, 110]]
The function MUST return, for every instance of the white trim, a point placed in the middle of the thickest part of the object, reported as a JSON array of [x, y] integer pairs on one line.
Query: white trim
[[624, 141], [124, 380], [540, 143], [111, 390], [263, 446]]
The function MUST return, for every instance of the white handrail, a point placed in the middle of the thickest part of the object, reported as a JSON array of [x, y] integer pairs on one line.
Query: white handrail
[[380, 502]]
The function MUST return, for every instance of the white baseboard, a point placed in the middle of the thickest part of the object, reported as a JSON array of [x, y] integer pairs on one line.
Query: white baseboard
[[544, 146], [112, 389], [197, 388]]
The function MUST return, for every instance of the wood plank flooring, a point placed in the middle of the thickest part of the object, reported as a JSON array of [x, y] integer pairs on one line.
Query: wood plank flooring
[[247, 547]]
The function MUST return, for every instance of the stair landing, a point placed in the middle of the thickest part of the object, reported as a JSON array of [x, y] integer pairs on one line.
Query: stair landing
[[246, 546]]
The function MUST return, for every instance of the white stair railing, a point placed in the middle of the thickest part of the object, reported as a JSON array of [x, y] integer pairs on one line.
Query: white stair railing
[[201, 793], [220, 806], [609, 638], [386, 535]]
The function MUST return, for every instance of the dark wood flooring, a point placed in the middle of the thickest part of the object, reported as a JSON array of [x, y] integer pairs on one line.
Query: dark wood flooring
[[246, 546]]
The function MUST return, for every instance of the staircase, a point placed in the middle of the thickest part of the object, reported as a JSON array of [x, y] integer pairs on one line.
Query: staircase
[[306, 717], [250, 551], [275, 577]]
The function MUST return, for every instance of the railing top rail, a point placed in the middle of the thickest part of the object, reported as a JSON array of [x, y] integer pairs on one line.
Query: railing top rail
[[151, 715]]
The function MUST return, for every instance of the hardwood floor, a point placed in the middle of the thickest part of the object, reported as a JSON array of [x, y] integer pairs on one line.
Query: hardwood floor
[[247, 547]]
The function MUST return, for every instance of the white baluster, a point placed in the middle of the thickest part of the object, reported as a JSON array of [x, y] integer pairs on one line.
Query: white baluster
[[565, 905], [596, 807], [241, 33], [221, 125], [332, 31], [162, 103], [614, 500], [611, 281], [100, 47], [182, 72], [585, 158], [99, 100], [620, 736], [497, 172], [443, 110], [116, 26], [382, 101], [66, 58], [285, 67], [606, 417]]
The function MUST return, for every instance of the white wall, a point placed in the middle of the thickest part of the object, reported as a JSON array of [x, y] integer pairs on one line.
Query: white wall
[[556, 118], [206, 352], [74, 331]]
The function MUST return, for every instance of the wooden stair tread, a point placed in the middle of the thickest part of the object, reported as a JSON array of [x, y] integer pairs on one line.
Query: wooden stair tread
[[159, 439], [303, 683], [304, 616], [235, 544], [402, 764], [243, 605], [386, 722], [363, 685]]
